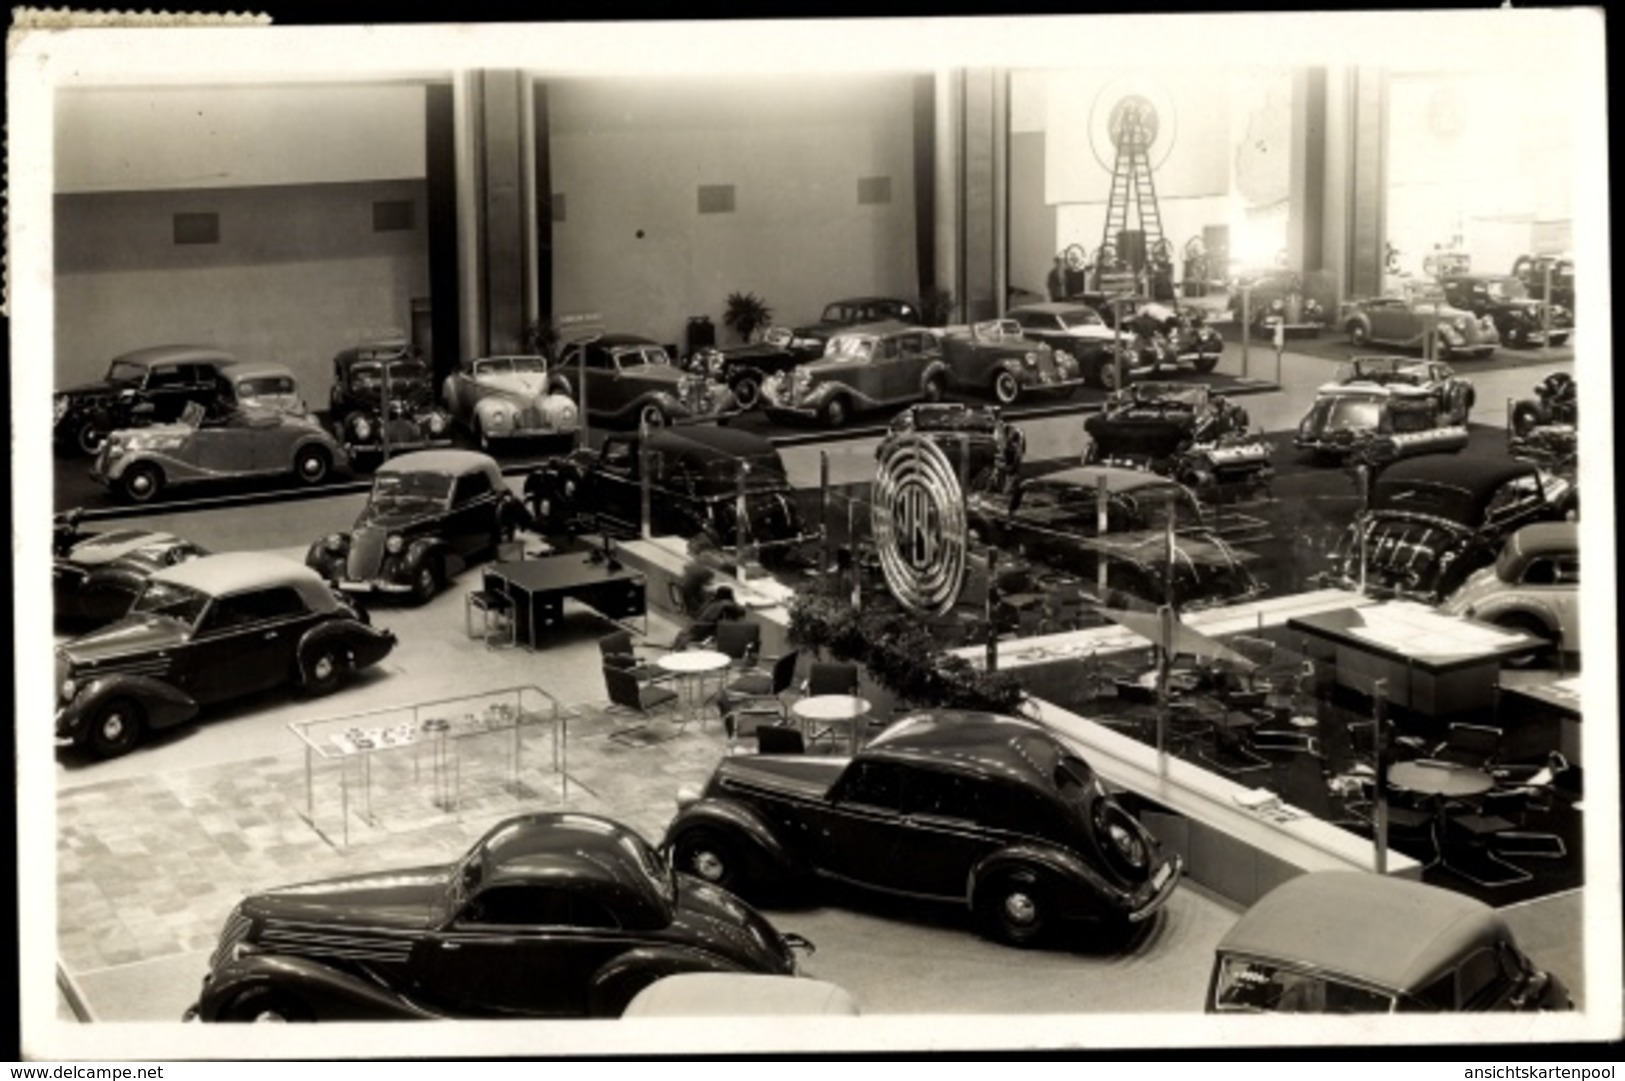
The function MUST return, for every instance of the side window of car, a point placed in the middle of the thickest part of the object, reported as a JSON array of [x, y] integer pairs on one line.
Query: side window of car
[[165, 377], [874, 784], [1566, 570], [942, 795], [1512, 497], [469, 487], [1014, 808], [537, 906], [257, 606]]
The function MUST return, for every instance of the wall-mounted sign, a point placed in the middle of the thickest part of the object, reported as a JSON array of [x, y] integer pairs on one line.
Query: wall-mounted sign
[[919, 524]]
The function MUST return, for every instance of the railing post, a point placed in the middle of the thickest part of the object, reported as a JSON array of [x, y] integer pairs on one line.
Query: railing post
[[1379, 707]]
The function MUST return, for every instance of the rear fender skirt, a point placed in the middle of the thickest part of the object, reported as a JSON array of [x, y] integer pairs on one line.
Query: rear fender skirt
[[738, 819], [364, 645], [653, 962], [330, 993], [164, 703], [1062, 868]]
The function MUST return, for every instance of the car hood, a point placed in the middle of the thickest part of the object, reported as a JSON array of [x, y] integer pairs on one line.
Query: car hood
[[133, 634], [103, 548], [716, 920], [95, 387], [807, 777], [516, 384], [397, 518], [413, 899]]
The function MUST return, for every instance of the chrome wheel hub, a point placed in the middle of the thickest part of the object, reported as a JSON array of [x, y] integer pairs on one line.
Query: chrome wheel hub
[[708, 866], [1019, 908]]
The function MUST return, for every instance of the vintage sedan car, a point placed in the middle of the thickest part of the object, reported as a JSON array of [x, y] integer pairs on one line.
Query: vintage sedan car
[[1275, 296], [264, 385], [1399, 947], [694, 485], [856, 311], [1076, 330], [1505, 300], [510, 397], [1533, 586], [743, 369], [996, 358], [1545, 429], [1376, 424], [203, 632], [1434, 520], [429, 514], [548, 915], [1193, 343], [862, 369], [1453, 393], [139, 464], [153, 385], [990, 812], [631, 381], [1180, 430], [1054, 519], [382, 400], [1406, 321], [95, 577], [1532, 271]]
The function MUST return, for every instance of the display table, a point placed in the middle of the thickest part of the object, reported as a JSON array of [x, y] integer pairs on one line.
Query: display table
[[833, 709], [1439, 782], [1542, 711], [539, 588], [691, 666], [1433, 663]]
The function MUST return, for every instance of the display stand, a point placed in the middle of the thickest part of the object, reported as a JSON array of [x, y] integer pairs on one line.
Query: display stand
[[358, 745]]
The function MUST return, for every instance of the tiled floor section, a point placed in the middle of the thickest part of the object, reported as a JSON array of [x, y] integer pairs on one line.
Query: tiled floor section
[[150, 866]]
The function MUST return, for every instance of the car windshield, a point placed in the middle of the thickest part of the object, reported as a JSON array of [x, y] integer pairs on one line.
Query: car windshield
[[262, 385], [173, 600], [1247, 985], [1081, 317], [1352, 414], [529, 364], [648, 354], [848, 347], [1506, 289], [370, 373], [410, 487], [1425, 497], [765, 469], [124, 372], [1181, 393]]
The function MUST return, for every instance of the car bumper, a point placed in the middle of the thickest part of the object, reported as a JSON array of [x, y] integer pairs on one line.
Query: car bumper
[[792, 412], [1155, 894], [376, 586], [396, 446]]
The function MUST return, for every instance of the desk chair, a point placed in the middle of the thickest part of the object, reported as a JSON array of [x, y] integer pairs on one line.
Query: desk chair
[[497, 624], [829, 677], [627, 692], [741, 640], [617, 651], [780, 739], [1475, 745], [766, 687]]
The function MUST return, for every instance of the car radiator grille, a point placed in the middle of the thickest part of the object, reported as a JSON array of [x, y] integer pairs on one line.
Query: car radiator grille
[[306, 941], [1046, 366], [236, 929], [529, 417], [1403, 551], [366, 554]]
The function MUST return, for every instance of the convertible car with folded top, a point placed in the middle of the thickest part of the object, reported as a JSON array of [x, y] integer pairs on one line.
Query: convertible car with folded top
[[1407, 321], [1180, 430], [996, 359], [547, 915], [500, 399], [1054, 519], [696, 476], [203, 632], [992, 813], [1432, 521], [429, 514], [744, 368], [1382, 408], [628, 381], [95, 576]]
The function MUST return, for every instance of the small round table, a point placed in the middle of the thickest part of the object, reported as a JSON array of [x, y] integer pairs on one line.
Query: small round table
[[830, 709], [1440, 782], [691, 666]]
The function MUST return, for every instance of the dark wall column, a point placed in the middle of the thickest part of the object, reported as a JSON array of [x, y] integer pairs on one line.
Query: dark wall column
[[1368, 180], [542, 214], [1307, 184], [925, 182], [503, 212], [440, 167], [979, 205]]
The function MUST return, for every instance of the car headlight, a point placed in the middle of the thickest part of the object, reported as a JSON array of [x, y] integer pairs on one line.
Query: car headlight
[[394, 544], [68, 689], [1127, 843], [361, 427], [1031, 360], [715, 363], [1461, 324], [437, 424], [59, 406], [684, 385], [334, 542]]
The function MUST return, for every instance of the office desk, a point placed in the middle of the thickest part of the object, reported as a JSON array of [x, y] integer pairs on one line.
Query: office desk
[[1434, 664], [539, 587]]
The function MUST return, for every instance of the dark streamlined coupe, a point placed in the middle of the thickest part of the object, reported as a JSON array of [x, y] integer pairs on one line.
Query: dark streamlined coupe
[[548, 915], [991, 812]]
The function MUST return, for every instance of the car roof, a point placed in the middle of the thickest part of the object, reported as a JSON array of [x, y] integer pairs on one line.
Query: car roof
[[247, 369], [878, 329], [174, 354], [1118, 478], [562, 845], [1480, 476], [234, 572], [1545, 538], [710, 441], [452, 462], [617, 341], [1052, 307], [987, 743], [380, 349], [1390, 932]]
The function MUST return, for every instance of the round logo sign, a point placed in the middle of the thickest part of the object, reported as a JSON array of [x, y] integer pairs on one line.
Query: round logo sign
[[919, 524]]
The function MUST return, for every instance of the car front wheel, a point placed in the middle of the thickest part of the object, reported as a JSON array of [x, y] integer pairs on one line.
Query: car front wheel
[[1106, 374], [426, 582], [748, 392], [836, 412], [1006, 388], [935, 387], [89, 437], [707, 855], [1358, 334], [1014, 909], [266, 1005], [115, 727], [324, 670], [141, 483], [312, 465], [650, 416]]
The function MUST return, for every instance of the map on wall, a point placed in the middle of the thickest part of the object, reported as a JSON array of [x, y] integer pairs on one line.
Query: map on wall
[[1185, 119]]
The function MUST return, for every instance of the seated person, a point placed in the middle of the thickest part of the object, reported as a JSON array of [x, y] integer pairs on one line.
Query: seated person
[[721, 606]]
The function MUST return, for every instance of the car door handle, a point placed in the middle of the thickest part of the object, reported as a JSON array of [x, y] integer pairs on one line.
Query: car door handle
[[451, 945], [271, 634]]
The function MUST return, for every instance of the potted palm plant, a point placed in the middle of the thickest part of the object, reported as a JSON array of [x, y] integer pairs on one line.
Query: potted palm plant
[[746, 314]]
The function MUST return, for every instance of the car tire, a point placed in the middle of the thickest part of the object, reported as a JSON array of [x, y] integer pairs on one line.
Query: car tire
[[426, 581], [1525, 418], [651, 416], [1518, 336], [323, 671], [266, 1004], [709, 856], [1006, 388], [89, 438], [115, 727], [311, 465], [141, 483], [1106, 374], [1358, 334], [1525, 623], [934, 388], [837, 412], [1014, 909], [747, 392]]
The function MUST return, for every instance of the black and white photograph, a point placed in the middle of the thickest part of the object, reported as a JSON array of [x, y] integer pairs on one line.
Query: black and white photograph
[[800, 536]]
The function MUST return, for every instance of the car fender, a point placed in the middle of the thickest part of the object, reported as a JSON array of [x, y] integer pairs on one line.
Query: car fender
[[934, 368], [557, 481], [739, 819], [613, 985], [330, 993], [336, 454], [1498, 606], [363, 644], [164, 704], [1090, 894], [426, 548]]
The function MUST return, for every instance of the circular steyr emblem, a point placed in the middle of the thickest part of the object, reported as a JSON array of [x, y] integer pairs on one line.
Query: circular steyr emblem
[[919, 524], [1151, 104]]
